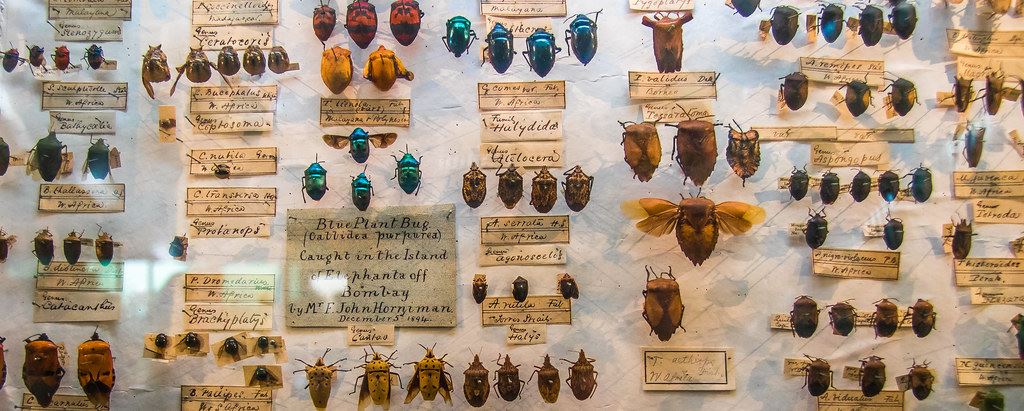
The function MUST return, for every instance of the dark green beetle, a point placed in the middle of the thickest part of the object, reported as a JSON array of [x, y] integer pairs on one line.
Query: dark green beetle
[[871, 23], [798, 183], [359, 142], [892, 233], [407, 171], [817, 229], [903, 19], [903, 96], [974, 144], [459, 35], [921, 184], [784, 23], [5, 156], [829, 189], [858, 97], [500, 50], [47, 156], [1017, 323], [860, 187], [581, 36], [314, 181], [831, 22], [362, 191], [889, 185], [98, 160], [991, 400], [178, 247], [541, 51]]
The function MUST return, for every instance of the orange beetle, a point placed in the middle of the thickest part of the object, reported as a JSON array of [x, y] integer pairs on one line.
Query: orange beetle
[[42, 371], [96, 370]]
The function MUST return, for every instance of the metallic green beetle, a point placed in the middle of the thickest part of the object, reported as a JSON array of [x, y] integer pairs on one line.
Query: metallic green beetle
[[362, 191], [47, 156], [98, 160], [314, 181], [459, 35], [407, 171]]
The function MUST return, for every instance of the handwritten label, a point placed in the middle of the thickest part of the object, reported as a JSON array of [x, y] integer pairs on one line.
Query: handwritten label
[[231, 123], [521, 28], [524, 230], [979, 67], [989, 371], [239, 161], [229, 288], [88, 30], [526, 334], [680, 85], [889, 135], [530, 95], [79, 122], [234, 12], [364, 112], [59, 402], [529, 154], [988, 184], [998, 211], [688, 369], [240, 37], [89, 10], [842, 71], [229, 227], [660, 5], [522, 255], [997, 295], [795, 367], [524, 8], [231, 201], [213, 397], [235, 99], [59, 95], [1003, 43], [804, 133], [845, 400], [81, 198], [75, 306], [982, 272], [850, 154], [674, 111], [867, 264], [371, 334], [537, 309], [82, 276], [228, 317], [518, 126], [388, 265]]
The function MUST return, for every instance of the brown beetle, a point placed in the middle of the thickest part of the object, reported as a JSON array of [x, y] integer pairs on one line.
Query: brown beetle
[[567, 286], [872, 376], [804, 316], [254, 61], [963, 94], [507, 381], [842, 317], [510, 186], [3, 364], [336, 69], [577, 188], [743, 152], [922, 318], [818, 378], [962, 233], [695, 149], [36, 57], [42, 371], [994, 91], [42, 246], [696, 221], [668, 39], [548, 382], [319, 378], [96, 370], [324, 20], [921, 379], [6, 242], [430, 379], [479, 288], [228, 62], [663, 305], [104, 244], [62, 58], [582, 377], [277, 60], [520, 289], [154, 69], [383, 68], [73, 247], [474, 186], [476, 387], [197, 68], [886, 318], [642, 147], [544, 192]]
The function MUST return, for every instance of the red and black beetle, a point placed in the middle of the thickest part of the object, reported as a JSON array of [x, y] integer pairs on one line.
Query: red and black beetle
[[361, 22], [405, 20]]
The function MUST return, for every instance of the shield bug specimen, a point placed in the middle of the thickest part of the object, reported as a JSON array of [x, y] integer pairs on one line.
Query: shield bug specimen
[[314, 181], [695, 149], [178, 247], [892, 233], [818, 378], [974, 144], [548, 381], [254, 61], [62, 58], [697, 222], [42, 246], [319, 378], [746, 8], [97, 161], [407, 171], [499, 50], [872, 376], [576, 188], [921, 184], [1017, 323], [798, 183], [962, 233], [479, 288], [885, 319], [73, 248], [829, 188], [520, 289], [263, 343], [324, 20], [582, 377], [871, 25], [3, 364], [96, 370], [842, 317], [47, 156], [544, 192], [383, 68], [5, 156], [377, 380], [37, 57], [362, 191], [42, 370], [663, 305], [963, 94], [104, 248], [430, 378], [567, 286], [507, 381], [232, 348], [6, 242], [263, 377], [359, 142], [994, 91], [921, 379], [228, 62], [476, 388], [192, 342], [510, 186], [361, 22], [804, 316], [784, 24], [336, 69], [581, 36], [794, 90], [889, 185], [459, 35], [94, 56], [405, 20], [154, 69], [817, 229], [991, 400], [903, 96], [642, 149], [277, 60], [830, 21], [743, 152], [474, 186], [668, 39], [903, 19], [922, 318], [541, 51], [858, 97], [12, 59], [860, 187]]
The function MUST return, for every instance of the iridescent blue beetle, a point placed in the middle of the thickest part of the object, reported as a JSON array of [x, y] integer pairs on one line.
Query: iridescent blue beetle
[[499, 50], [541, 51], [314, 181], [359, 142], [459, 35], [407, 171], [581, 36], [362, 191]]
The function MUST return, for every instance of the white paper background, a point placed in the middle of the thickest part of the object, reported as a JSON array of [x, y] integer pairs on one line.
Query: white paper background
[[728, 299]]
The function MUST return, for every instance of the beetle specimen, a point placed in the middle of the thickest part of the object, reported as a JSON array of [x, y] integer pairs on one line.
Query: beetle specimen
[[994, 91], [104, 248], [62, 58], [362, 191], [831, 21], [233, 349], [544, 191], [921, 184], [336, 69], [567, 286], [254, 61], [548, 381], [743, 152], [922, 318], [885, 319], [903, 96], [5, 156], [784, 23], [37, 58], [405, 20], [94, 56], [921, 379], [359, 142], [197, 68], [228, 62], [697, 222], [377, 380], [510, 186], [178, 247], [72, 248], [746, 8], [872, 376], [962, 233], [793, 90], [818, 377], [314, 181], [892, 233], [6, 242], [903, 19], [361, 22], [990, 400], [858, 97], [474, 187], [277, 60], [193, 344], [96, 370], [507, 381], [12, 59], [263, 343], [963, 94], [798, 183], [642, 148], [695, 149], [576, 188], [430, 379], [154, 69], [804, 316], [581, 36], [871, 25], [459, 35], [319, 378], [842, 317], [476, 388], [42, 246], [889, 185], [42, 370], [324, 20], [974, 144], [97, 161], [383, 68], [668, 39], [860, 186], [582, 377], [479, 288], [541, 51], [829, 188], [47, 156], [499, 50], [520, 289], [263, 377], [1017, 323], [663, 305], [407, 171], [3, 364]]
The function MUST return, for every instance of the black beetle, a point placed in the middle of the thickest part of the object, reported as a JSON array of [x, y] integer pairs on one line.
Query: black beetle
[[785, 21], [903, 96], [816, 230], [892, 233], [829, 188], [567, 286], [228, 62], [48, 156], [963, 94], [843, 318], [520, 289], [974, 144], [858, 97], [830, 22], [922, 318], [510, 186], [5, 156], [104, 248], [794, 90], [872, 376], [818, 378], [886, 318], [232, 347], [994, 92], [921, 379], [264, 343], [42, 246], [746, 7], [160, 341], [889, 185], [903, 19], [962, 233], [860, 187], [479, 288], [871, 23], [798, 183], [804, 316], [921, 184], [73, 248], [192, 341]]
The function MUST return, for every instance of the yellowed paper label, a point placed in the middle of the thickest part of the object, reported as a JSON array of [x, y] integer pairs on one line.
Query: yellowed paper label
[[889, 135], [239, 161], [532, 154], [529, 95], [524, 230], [519, 126], [364, 112], [215, 38], [1017, 141], [537, 309], [997, 295], [803, 133], [89, 10], [998, 211], [979, 67], [75, 306], [688, 369], [167, 124], [274, 380], [59, 402], [985, 272], [846, 400], [229, 288], [82, 276], [151, 351], [523, 8], [526, 334], [811, 27], [795, 367], [81, 198], [989, 371], [371, 334], [988, 184], [234, 99], [231, 123], [675, 111], [59, 95], [851, 373], [867, 264], [680, 85], [1002, 43], [522, 255], [82, 122], [229, 227], [521, 28], [660, 5], [842, 71], [779, 321], [234, 12], [212, 397], [88, 30], [228, 317], [230, 201], [850, 154]]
